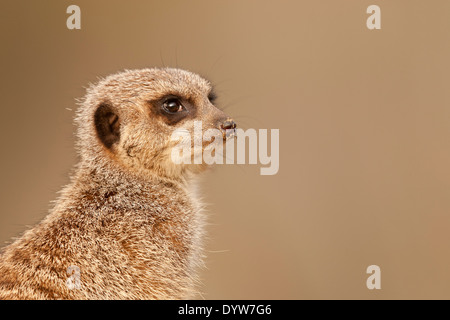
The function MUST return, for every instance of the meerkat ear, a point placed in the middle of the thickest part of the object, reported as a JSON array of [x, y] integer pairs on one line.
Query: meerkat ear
[[107, 124]]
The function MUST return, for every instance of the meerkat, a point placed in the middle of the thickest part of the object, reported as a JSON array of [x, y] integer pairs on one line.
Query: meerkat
[[129, 221]]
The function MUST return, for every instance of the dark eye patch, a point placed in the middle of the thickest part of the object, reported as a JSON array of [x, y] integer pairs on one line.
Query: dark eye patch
[[158, 108], [212, 96]]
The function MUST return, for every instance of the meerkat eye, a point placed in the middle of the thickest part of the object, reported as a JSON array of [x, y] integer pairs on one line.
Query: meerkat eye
[[172, 105]]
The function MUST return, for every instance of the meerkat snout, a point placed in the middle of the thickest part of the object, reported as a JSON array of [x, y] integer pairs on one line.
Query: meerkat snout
[[129, 221]]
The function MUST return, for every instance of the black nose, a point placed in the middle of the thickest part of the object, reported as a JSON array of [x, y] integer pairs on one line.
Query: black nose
[[228, 124], [228, 128]]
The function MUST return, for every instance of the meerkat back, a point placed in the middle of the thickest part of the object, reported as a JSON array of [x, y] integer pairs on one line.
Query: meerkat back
[[128, 225]]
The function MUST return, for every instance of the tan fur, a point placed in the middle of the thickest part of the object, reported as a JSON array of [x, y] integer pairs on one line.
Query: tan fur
[[128, 218]]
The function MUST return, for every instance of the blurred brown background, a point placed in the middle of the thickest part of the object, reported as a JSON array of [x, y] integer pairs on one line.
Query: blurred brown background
[[364, 119]]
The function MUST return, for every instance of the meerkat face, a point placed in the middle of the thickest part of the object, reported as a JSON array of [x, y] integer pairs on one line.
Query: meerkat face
[[135, 114]]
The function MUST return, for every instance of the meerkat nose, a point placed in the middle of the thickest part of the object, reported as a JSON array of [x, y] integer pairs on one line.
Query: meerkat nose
[[228, 124], [228, 128]]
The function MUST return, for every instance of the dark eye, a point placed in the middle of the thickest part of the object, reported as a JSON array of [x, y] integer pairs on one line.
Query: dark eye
[[172, 106]]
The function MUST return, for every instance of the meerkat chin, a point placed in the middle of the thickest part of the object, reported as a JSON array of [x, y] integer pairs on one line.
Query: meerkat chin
[[128, 222]]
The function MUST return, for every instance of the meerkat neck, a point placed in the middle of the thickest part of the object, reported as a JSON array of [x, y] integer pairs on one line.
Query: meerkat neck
[[113, 174]]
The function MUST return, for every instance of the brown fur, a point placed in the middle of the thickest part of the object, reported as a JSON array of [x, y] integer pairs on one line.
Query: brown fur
[[129, 218]]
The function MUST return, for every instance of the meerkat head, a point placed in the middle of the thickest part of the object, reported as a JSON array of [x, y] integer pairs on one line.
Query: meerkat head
[[129, 119]]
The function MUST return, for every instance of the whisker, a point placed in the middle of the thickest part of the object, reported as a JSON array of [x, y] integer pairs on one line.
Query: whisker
[[214, 64], [235, 101], [216, 84], [240, 166], [161, 57], [238, 117]]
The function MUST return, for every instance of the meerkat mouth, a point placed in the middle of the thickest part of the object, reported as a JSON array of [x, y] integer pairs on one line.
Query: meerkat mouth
[[229, 133]]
